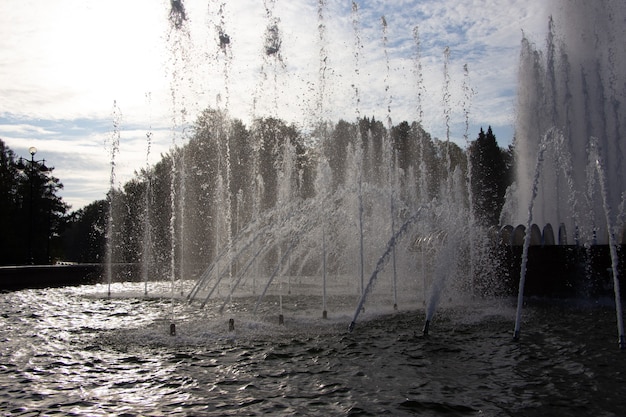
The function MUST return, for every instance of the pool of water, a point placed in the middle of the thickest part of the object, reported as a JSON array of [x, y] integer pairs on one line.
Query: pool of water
[[76, 351]]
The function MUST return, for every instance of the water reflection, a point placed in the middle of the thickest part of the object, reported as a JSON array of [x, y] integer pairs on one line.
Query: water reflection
[[74, 350]]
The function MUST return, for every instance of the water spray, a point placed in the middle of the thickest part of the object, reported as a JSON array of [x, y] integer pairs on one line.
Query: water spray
[[599, 168], [522, 278], [380, 265]]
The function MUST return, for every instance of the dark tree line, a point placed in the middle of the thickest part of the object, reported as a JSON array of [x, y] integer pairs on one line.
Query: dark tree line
[[228, 174], [32, 215]]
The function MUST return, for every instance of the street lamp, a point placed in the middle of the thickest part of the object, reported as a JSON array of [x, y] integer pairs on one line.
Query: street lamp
[[30, 167]]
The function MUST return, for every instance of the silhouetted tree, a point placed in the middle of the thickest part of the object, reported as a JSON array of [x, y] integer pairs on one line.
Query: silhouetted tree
[[334, 149], [12, 236], [373, 135], [225, 165], [405, 145], [84, 238], [32, 213], [272, 134], [491, 175]]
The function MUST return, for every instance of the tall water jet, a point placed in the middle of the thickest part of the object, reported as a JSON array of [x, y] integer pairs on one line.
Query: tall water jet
[[110, 238], [272, 58], [447, 114], [358, 151], [323, 181], [598, 166], [392, 174], [323, 178], [224, 43], [575, 86], [467, 96], [179, 39], [423, 183], [357, 164], [225, 192], [323, 61], [181, 220], [527, 235], [146, 239]]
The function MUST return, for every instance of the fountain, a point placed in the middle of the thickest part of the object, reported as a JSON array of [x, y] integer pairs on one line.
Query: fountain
[[570, 125], [257, 214], [291, 230], [273, 224], [575, 86]]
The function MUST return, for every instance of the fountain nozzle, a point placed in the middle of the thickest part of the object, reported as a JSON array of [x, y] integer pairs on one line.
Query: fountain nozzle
[[172, 329], [622, 342], [351, 326], [426, 327]]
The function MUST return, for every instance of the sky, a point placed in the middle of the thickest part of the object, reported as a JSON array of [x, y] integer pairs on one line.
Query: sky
[[90, 83]]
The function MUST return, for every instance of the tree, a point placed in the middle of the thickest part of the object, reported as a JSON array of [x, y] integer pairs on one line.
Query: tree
[[11, 238], [228, 174], [404, 145], [491, 175], [334, 149], [84, 239], [373, 135], [32, 214], [272, 135]]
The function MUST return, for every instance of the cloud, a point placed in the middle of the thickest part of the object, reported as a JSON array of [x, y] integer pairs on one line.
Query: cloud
[[64, 63]]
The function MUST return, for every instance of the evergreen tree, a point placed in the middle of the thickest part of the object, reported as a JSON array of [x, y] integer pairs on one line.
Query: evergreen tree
[[491, 175]]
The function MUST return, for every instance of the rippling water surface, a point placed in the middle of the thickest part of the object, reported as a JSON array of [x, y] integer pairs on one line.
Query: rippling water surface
[[74, 351]]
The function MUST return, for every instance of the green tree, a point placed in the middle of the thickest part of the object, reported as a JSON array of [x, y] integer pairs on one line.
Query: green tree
[[491, 175]]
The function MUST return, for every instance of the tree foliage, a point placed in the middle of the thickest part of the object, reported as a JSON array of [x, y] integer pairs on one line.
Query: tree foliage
[[85, 237], [198, 197], [491, 175], [32, 214]]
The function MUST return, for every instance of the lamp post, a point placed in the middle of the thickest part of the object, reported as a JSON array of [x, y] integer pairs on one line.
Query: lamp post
[[30, 167]]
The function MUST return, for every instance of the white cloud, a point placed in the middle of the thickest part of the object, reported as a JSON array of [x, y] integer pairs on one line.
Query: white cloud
[[64, 63]]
